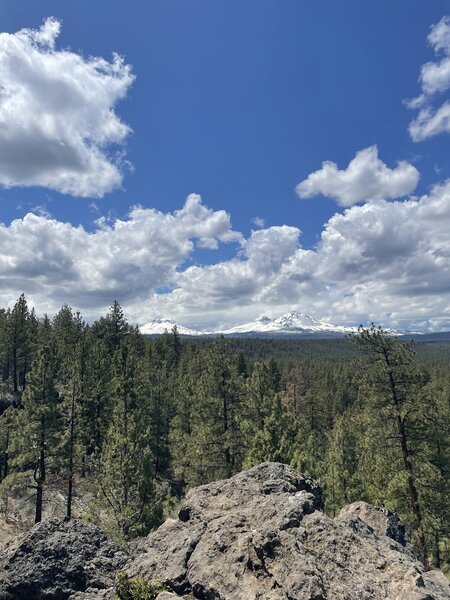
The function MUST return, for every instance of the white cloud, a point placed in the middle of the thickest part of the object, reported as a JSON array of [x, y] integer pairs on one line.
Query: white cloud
[[55, 262], [430, 122], [57, 115], [382, 261], [366, 178], [434, 79], [439, 36], [258, 222]]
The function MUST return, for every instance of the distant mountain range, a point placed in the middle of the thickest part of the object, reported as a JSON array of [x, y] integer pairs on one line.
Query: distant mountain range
[[292, 324], [160, 326]]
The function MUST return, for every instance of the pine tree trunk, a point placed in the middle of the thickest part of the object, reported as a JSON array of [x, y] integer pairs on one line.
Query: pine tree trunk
[[25, 368], [412, 488], [39, 500], [40, 476], [437, 560], [6, 455], [227, 452], [125, 449], [6, 370], [16, 388], [71, 450]]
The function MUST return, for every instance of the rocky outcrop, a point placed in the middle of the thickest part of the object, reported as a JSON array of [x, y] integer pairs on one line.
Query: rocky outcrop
[[260, 535], [56, 559], [381, 520]]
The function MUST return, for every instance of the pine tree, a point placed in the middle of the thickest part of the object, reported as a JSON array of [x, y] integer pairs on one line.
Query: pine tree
[[71, 446], [19, 342], [124, 480], [96, 398], [274, 440], [7, 429], [306, 401], [39, 421], [112, 328], [340, 480], [164, 391], [433, 428], [217, 436], [4, 344], [393, 387], [184, 423], [267, 430], [67, 330]]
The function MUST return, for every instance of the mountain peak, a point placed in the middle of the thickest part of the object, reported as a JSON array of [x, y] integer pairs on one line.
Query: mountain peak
[[293, 322], [161, 325], [297, 318], [290, 323], [263, 319]]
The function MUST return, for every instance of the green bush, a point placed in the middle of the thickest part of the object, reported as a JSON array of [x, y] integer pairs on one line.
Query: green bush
[[136, 588]]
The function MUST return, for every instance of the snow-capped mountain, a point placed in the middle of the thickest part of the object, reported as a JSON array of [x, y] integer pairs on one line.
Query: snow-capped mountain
[[260, 325], [160, 326], [292, 323]]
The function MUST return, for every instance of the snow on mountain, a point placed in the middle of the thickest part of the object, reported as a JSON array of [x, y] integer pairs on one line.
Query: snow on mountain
[[262, 324], [289, 323], [295, 321], [159, 326]]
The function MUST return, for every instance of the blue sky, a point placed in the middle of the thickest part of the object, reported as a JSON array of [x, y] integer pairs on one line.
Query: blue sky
[[238, 102]]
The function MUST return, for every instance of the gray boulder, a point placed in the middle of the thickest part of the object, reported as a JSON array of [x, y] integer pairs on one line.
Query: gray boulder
[[262, 535], [56, 559]]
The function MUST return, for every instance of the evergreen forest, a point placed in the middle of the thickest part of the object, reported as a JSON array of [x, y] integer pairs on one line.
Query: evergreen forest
[[134, 422]]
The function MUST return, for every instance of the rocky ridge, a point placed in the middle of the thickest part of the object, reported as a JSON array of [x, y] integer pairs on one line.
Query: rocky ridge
[[260, 535]]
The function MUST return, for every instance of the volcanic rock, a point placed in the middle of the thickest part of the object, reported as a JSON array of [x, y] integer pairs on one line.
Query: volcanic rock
[[56, 559], [261, 535]]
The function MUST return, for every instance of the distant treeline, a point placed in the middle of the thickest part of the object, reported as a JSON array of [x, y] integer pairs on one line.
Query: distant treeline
[[141, 420], [288, 351]]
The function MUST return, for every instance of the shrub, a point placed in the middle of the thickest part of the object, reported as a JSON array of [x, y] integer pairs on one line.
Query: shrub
[[136, 588]]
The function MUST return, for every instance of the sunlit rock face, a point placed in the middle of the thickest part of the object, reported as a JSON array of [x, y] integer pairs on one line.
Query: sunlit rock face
[[262, 535]]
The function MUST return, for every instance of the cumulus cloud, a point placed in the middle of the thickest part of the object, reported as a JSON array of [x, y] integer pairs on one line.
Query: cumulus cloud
[[382, 261], [55, 262], [366, 178], [233, 284], [434, 80], [57, 115]]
